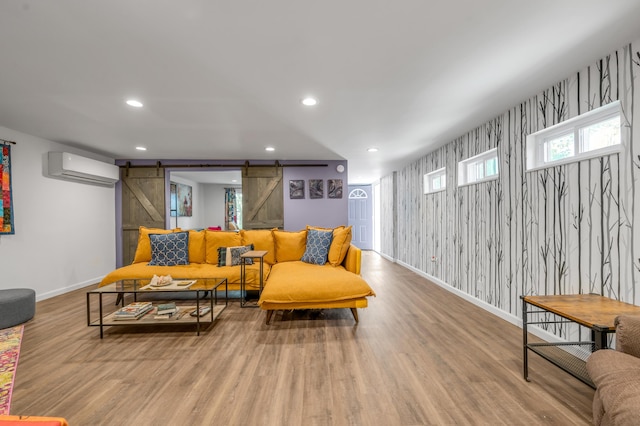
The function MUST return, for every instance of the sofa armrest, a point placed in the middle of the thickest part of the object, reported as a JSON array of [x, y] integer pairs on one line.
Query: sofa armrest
[[353, 259], [628, 334]]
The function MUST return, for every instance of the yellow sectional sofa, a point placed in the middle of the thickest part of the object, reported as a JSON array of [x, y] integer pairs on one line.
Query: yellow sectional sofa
[[291, 278]]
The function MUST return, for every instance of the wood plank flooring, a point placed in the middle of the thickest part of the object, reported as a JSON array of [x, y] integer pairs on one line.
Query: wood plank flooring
[[420, 356]]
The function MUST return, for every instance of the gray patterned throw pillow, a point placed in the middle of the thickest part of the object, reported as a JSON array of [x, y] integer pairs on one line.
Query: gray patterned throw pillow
[[230, 256], [318, 243], [169, 249]]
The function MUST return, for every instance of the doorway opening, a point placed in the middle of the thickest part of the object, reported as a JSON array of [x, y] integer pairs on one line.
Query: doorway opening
[[215, 198], [361, 216]]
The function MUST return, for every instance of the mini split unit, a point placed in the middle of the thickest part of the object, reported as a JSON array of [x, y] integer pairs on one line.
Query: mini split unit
[[68, 166]]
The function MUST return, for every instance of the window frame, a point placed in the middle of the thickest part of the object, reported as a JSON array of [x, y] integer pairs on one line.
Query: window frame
[[482, 158], [429, 178], [536, 141]]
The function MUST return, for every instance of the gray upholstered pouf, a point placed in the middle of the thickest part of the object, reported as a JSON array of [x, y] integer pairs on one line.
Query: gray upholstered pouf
[[17, 305]]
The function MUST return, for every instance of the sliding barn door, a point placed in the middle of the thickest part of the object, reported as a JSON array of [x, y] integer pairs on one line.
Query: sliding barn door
[[143, 204], [262, 199]]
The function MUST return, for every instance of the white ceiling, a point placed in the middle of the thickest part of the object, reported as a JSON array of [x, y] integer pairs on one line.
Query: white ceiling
[[224, 79]]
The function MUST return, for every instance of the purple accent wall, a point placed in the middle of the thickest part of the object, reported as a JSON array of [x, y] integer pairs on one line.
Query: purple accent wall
[[325, 212]]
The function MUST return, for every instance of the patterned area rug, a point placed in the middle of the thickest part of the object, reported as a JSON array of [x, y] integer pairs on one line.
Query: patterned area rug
[[9, 351]]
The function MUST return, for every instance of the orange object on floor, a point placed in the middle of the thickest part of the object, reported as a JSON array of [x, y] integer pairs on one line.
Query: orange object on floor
[[6, 420]]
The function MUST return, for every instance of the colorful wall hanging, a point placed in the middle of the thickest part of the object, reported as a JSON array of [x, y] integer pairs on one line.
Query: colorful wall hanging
[[6, 195]]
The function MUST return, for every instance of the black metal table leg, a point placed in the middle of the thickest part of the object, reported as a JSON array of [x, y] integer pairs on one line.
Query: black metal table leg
[[525, 342], [197, 312], [101, 325]]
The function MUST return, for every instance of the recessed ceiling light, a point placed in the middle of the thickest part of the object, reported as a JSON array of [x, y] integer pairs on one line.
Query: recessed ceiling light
[[234, 180], [372, 149], [141, 148], [309, 101], [269, 148], [134, 103]]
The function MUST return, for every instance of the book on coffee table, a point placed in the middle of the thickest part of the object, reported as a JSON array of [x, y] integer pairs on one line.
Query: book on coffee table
[[133, 310], [166, 308], [168, 316]]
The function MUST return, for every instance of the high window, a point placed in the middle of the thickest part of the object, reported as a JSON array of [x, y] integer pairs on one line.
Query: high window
[[435, 181], [480, 168], [592, 134]]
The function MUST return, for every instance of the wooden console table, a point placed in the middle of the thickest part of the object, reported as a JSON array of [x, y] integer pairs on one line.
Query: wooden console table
[[592, 311]]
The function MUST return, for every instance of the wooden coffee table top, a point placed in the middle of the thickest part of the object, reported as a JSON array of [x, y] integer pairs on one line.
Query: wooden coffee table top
[[590, 310]]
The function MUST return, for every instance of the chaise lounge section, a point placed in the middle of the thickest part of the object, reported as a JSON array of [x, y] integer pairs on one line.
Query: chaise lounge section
[[298, 281]]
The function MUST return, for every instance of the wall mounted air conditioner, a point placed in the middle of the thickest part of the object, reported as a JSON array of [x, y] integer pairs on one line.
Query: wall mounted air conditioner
[[75, 167]]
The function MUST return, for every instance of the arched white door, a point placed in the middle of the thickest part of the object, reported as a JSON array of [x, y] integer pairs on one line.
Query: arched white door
[[361, 216]]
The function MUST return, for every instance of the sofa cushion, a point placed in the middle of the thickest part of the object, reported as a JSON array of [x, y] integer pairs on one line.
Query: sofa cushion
[[217, 239], [143, 250], [262, 239], [339, 245], [169, 249], [196, 246], [617, 378], [320, 228], [317, 248], [289, 245], [628, 335], [230, 256], [300, 282]]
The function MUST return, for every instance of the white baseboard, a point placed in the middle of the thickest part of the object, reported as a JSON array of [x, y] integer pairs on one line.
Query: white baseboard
[[389, 258], [63, 290]]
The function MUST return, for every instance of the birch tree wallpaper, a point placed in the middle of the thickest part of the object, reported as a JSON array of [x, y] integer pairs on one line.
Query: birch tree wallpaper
[[566, 229]]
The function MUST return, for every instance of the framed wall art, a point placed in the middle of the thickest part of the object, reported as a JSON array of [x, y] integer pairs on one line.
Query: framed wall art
[[316, 188], [334, 188], [296, 189], [181, 200]]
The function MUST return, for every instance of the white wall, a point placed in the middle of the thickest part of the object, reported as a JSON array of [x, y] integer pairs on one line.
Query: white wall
[[64, 231], [197, 213], [214, 205], [208, 205]]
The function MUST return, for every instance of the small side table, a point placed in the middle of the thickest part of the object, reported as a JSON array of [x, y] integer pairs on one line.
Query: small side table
[[252, 254], [592, 311]]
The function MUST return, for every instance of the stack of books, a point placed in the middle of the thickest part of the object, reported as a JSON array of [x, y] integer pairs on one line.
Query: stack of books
[[133, 311], [167, 311]]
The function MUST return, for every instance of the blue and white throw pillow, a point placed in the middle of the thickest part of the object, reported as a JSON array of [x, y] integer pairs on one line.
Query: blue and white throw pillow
[[169, 249], [318, 243]]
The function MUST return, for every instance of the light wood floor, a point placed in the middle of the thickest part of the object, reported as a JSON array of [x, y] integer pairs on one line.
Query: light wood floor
[[420, 356]]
